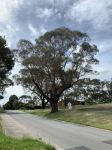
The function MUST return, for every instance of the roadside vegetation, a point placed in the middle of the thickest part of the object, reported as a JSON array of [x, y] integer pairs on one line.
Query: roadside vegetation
[[99, 116], [1, 110], [8, 143]]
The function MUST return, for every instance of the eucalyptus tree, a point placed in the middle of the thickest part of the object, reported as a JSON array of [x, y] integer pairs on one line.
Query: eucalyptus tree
[[109, 89], [56, 62], [6, 65]]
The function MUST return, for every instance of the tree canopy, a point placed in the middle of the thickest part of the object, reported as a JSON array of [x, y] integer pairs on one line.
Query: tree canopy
[[12, 103], [6, 64], [56, 62]]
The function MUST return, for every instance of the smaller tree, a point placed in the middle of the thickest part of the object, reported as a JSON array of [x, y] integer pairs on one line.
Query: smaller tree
[[12, 103], [25, 98], [109, 89]]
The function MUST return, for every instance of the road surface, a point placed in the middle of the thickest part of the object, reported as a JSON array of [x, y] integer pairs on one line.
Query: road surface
[[64, 135]]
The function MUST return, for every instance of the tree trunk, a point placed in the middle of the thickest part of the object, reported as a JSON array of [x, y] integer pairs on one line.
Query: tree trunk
[[43, 103], [54, 106]]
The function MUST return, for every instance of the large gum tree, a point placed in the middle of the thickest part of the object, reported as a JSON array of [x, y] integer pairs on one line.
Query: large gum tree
[[56, 62]]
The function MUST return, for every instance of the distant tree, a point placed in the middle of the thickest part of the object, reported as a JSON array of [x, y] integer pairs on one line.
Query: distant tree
[[91, 90], [57, 61], [109, 88], [25, 98], [27, 102], [12, 103], [96, 91], [6, 65]]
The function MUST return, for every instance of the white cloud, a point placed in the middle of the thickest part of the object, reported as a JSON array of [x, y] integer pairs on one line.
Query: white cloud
[[9, 31], [17, 3], [34, 32], [6, 9], [44, 13], [5, 12], [15, 90], [8, 27], [105, 46], [43, 30], [98, 13]]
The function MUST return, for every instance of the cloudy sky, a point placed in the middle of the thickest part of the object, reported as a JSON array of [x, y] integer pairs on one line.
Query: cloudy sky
[[28, 19]]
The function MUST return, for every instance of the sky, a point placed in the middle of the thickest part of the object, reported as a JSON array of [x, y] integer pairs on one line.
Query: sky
[[28, 19]]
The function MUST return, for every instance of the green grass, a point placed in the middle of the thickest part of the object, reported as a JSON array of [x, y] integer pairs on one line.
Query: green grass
[[8, 143], [99, 116], [1, 110]]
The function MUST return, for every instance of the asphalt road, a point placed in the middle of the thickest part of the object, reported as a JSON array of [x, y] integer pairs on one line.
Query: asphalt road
[[64, 135]]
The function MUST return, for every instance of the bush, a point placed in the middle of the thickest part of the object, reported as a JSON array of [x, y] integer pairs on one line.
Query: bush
[[90, 101]]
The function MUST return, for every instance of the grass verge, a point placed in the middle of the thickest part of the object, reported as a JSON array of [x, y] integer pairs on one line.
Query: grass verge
[[1, 110], [8, 143], [99, 116]]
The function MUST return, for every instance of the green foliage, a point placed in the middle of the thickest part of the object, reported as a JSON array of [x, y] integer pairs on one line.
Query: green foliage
[[6, 64], [12, 103], [104, 100], [6, 59], [90, 101], [92, 91], [25, 98]]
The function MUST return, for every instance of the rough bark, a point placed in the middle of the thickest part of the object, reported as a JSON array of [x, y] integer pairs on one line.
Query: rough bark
[[54, 106], [43, 104]]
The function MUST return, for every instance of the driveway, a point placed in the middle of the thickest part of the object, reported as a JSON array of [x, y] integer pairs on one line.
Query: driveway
[[64, 135]]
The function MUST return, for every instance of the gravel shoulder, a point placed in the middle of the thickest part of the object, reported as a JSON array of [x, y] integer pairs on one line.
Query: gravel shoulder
[[13, 128]]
